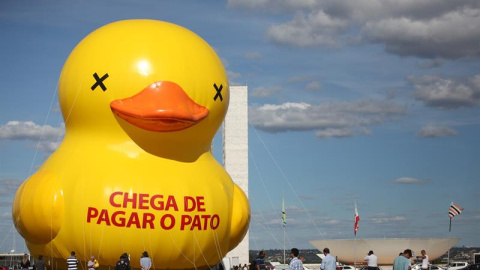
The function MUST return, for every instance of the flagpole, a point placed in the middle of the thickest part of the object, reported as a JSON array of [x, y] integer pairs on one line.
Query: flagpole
[[355, 252], [284, 244], [454, 210], [357, 218], [449, 236], [284, 222]]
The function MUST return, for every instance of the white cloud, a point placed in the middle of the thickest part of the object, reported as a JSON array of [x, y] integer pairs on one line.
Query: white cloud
[[442, 93], [409, 181], [388, 220], [46, 138], [334, 132], [327, 120], [436, 131], [315, 29]]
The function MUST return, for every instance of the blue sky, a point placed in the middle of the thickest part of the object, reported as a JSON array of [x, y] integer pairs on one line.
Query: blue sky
[[373, 102]]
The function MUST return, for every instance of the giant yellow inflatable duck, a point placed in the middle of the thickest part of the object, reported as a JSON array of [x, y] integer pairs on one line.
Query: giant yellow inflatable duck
[[142, 101]]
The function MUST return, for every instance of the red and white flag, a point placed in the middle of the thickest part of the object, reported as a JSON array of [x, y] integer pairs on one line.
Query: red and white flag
[[357, 218]]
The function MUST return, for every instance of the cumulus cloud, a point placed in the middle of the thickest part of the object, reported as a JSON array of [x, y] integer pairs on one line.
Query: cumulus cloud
[[46, 138], [446, 93], [449, 36], [327, 120], [410, 181], [436, 131], [312, 30], [426, 29]]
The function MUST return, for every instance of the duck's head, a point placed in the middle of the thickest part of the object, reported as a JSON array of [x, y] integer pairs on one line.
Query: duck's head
[[154, 81]]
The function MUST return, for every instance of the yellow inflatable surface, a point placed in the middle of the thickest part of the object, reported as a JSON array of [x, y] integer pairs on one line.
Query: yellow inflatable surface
[[142, 101]]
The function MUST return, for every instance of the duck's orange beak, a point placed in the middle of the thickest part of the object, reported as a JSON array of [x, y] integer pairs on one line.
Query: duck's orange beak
[[162, 106]]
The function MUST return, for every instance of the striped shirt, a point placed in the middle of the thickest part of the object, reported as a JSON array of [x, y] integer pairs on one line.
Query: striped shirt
[[72, 263]]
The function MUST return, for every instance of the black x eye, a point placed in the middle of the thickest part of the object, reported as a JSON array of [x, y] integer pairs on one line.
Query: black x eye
[[219, 90], [99, 82]]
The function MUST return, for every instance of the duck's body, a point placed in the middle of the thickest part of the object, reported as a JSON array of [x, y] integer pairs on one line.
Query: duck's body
[[119, 184]]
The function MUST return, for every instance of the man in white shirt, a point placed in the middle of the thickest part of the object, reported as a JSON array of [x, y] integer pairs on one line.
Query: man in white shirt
[[372, 260], [328, 262], [425, 261]]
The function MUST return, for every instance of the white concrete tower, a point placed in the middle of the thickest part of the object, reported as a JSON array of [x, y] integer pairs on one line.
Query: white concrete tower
[[235, 155]]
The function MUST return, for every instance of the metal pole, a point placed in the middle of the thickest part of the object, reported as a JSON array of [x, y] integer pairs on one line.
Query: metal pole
[[355, 251], [284, 260]]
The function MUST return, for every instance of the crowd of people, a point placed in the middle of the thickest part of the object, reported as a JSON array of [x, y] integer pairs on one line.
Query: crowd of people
[[72, 262], [329, 262]]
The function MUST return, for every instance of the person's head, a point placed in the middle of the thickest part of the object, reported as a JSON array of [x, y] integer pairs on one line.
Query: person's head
[[370, 252], [407, 253], [145, 254], [261, 253], [92, 258], [40, 257], [25, 256], [423, 252], [72, 253], [326, 251], [294, 252]]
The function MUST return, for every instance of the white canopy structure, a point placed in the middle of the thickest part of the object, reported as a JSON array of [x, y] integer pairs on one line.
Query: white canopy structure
[[387, 249]]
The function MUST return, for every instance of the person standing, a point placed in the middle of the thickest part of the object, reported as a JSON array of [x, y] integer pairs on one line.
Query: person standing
[[260, 260], [25, 263], [328, 262], [126, 257], [123, 263], [371, 260], [40, 265], [145, 261], [402, 262], [91, 263], [425, 261], [295, 263], [72, 261]]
